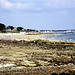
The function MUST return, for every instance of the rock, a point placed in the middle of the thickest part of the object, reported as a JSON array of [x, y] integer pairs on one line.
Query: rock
[[43, 63], [7, 65], [28, 63], [55, 64], [48, 59]]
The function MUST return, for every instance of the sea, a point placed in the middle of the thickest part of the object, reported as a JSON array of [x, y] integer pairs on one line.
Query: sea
[[68, 36]]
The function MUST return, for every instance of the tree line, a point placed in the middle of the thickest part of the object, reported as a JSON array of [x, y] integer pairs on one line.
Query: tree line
[[3, 28]]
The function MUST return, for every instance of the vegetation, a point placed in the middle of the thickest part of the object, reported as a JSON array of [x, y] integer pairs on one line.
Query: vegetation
[[13, 31], [19, 28], [2, 27], [28, 30], [10, 27], [38, 57]]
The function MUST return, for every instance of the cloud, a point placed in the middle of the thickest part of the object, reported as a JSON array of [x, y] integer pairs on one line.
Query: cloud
[[60, 4], [5, 4], [36, 5]]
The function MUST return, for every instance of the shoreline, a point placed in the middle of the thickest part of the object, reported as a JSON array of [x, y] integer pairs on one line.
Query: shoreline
[[26, 37], [38, 37]]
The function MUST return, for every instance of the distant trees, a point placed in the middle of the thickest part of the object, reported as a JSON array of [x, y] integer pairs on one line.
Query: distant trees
[[19, 28], [2, 27], [28, 30], [10, 27]]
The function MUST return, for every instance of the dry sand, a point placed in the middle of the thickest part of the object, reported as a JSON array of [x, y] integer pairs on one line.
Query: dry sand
[[26, 37], [19, 36]]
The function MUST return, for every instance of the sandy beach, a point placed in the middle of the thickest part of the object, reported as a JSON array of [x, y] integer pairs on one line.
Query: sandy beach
[[26, 37], [19, 36]]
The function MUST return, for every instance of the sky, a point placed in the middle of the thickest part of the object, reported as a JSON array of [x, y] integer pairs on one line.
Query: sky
[[38, 14]]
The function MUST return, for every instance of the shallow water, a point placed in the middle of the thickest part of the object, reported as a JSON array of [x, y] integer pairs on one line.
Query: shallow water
[[67, 37]]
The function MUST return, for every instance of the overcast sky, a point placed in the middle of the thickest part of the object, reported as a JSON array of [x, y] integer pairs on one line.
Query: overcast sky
[[38, 14]]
